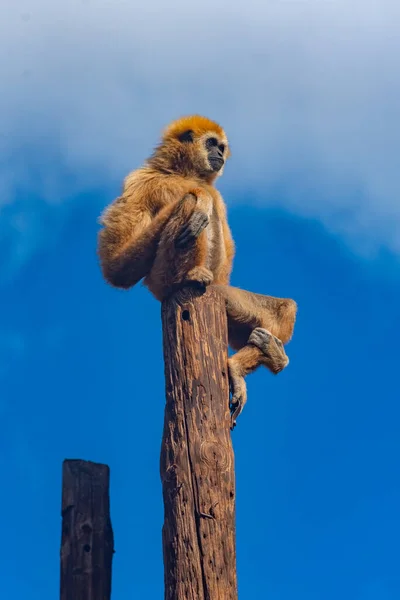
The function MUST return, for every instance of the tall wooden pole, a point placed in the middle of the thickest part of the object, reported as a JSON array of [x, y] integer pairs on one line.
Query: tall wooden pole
[[87, 543], [197, 462]]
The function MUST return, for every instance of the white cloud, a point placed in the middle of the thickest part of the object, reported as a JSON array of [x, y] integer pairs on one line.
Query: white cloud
[[309, 92]]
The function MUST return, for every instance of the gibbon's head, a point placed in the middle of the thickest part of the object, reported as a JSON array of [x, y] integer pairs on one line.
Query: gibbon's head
[[193, 146]]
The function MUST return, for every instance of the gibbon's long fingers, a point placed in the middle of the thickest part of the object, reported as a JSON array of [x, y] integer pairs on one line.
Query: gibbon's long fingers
[[239, 397], [238, 389], [192, 229]]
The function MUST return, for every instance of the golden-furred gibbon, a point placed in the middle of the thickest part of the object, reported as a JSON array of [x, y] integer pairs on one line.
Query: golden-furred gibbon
[[169, 227]]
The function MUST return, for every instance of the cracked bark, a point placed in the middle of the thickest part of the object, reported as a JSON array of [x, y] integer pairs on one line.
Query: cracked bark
[[197, 462], [87, 542]]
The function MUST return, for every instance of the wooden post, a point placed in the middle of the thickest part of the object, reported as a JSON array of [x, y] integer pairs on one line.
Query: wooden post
[[87, 543], [197, 462]]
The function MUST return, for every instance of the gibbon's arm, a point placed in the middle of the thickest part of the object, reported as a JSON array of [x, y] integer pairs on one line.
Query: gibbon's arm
[[226, 267], [222, 276], [127, 244]]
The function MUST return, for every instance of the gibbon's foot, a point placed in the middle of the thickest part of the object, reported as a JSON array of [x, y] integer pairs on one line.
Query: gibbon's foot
[[238, 390], [200, 275], [192, 229], [271, 346]]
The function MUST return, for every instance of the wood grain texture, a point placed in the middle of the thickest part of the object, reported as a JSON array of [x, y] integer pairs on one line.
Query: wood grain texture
[[87, 542], [197, 462]]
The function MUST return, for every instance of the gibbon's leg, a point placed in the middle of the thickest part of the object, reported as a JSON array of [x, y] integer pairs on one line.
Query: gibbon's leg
[[262, 348], [258, 326], [183, 247]]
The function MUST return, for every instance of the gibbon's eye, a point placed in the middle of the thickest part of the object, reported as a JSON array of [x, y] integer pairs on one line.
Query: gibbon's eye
[[222, 147], [186, 136], [211, 142]]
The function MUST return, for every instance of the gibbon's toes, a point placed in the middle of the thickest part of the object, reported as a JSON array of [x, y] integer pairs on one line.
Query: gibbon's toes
[[239, 398], [271, 347], [266, 341], [261, 338], [200, 275], [192, 229]]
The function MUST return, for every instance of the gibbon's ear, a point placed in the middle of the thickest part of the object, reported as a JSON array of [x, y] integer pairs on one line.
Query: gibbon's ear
[[186, 136]]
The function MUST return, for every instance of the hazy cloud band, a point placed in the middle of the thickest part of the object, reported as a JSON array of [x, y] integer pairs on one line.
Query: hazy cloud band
[[308, 91]]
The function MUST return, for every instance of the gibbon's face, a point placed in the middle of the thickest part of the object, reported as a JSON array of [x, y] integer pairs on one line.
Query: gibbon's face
[[193, 146], [207, 152]]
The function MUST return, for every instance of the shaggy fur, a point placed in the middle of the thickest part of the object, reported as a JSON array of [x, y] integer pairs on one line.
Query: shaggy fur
[[169, 226]]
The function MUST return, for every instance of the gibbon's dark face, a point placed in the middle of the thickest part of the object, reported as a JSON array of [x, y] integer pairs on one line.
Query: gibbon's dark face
[[211, 149], [215, 152]]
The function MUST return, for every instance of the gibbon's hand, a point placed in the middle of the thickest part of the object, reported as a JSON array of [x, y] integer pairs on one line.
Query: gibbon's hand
[[192, 229], [238, 390]]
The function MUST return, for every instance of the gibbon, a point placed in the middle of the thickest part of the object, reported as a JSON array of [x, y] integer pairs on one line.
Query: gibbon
[[169, 226]]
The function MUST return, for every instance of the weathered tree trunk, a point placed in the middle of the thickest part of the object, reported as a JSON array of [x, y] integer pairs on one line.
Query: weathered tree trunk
[[87, 543], [197, 462]]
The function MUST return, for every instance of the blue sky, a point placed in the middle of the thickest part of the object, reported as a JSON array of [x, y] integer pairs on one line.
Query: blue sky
[[310, 99], [316, 448]]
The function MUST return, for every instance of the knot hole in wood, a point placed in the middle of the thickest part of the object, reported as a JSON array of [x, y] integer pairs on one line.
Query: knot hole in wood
[[215, 455]]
